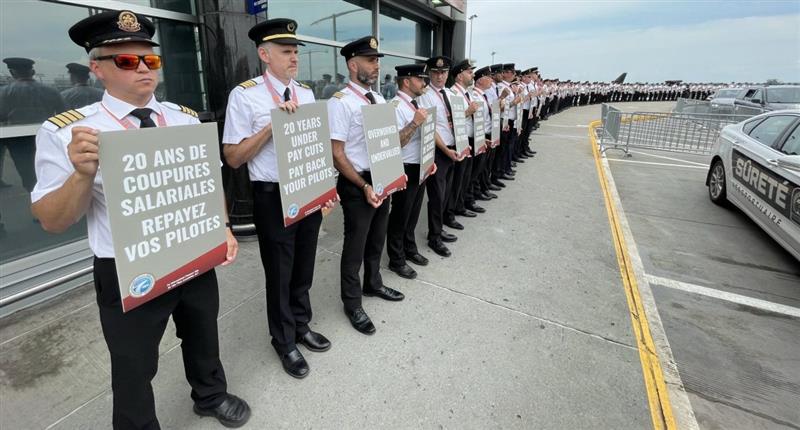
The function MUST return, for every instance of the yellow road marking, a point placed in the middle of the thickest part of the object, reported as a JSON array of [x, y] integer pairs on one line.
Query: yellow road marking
[[657, 396]]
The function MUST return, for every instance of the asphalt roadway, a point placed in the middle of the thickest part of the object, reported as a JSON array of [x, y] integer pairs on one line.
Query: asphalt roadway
[[526, 326], [736, 339]]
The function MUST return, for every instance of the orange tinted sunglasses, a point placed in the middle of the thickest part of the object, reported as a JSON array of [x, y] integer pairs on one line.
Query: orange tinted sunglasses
[[131, 61]]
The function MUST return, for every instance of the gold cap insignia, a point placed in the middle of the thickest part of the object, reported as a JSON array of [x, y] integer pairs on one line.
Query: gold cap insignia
[[291, 27], [440, 63], [128, 22], [373, 43]]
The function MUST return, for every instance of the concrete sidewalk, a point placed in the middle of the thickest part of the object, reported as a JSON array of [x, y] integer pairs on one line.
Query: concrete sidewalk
[[525, 326]]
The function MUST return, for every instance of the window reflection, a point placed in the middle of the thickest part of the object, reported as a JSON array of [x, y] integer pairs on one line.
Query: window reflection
[[322, 68], [339, 20], [32, 91], [388, 79], [400, 33], [183, 6]]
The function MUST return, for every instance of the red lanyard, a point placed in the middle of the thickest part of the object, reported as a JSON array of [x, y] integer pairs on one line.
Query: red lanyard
[[128, 125], [440, 95], [358, 93], [463, 93], [402, 97], [277, 98]]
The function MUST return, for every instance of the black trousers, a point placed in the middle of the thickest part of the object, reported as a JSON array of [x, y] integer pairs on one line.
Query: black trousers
[[288, 255], [406, 206], [364, 236], [476, 184], [133, 338], [437, 187], [462, 177], [486, 176]]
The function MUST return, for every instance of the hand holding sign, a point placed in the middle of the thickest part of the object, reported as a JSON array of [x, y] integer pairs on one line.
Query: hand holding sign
[[288, 106], [233, 247], [82, 150], [419, 116], [471, 109], [371, 197]]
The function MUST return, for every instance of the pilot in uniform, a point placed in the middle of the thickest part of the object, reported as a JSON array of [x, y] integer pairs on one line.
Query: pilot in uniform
[[366, 215], [401, 244], [70, 185], [287, 253]]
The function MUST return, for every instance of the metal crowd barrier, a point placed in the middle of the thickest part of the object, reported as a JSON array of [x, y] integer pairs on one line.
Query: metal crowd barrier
[[693, 133]]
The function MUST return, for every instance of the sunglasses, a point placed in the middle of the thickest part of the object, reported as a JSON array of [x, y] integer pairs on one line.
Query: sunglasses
[[131, 61]]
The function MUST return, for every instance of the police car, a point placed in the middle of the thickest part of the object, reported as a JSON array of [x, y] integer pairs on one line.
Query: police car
[[756, 167]]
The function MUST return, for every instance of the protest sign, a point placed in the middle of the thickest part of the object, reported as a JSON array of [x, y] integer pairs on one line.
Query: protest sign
[[458, 107], [479, 128], [495, 124], [163, 191], [383, 148], [427, 145], [305, 160]]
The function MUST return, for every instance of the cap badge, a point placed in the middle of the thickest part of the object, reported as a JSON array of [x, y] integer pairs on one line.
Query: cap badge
[[373, 43], [128, 22], [440, 63], [291, 27]]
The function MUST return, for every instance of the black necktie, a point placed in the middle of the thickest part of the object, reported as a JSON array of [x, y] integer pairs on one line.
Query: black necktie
[[144, 116], [488, 105], [449, 109], [414, 102], [287, 94], [467, 95], [370, 97]]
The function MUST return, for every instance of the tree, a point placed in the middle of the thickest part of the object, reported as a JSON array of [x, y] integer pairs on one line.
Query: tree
[[774, 81]]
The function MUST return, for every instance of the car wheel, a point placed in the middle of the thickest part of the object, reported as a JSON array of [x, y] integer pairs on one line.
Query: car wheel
[[716, 184]]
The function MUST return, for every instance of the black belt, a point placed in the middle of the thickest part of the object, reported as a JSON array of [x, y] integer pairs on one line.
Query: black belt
[[265, 187]]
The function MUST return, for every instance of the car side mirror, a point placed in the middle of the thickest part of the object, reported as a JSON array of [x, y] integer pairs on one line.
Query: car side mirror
[[756, 101]]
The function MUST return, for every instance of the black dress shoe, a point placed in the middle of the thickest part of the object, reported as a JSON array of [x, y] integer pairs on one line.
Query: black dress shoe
[[466, 214], [496, 181], [513, 163], [294, 364], [454, 225], [475, 208], [233, 412], [491, 195], [404, 271], [438, 247], [314, 341], [386, 293], [417, 258], [482, 197], [360, 321], [494, 187], [447, 237]]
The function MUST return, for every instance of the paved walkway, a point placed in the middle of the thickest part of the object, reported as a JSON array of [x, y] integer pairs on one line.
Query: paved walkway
[[525, 326]]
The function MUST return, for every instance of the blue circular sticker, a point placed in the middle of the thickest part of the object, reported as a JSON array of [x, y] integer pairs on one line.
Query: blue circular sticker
[[142, 285], [293, 210], [379, 189]]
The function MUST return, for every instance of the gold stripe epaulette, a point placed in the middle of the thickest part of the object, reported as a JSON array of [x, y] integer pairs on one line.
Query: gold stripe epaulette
[[338, 94], [304, 85], [188, 111], [248, 84], [66, 118]]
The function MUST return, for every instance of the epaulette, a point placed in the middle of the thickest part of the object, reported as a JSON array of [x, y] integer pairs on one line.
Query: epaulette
[[304, 85], [395, 102], [66, 118], [338, 94], [248, 84], [181, 108]]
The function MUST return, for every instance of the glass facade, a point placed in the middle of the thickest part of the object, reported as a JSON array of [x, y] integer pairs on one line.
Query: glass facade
[[28, 98], [336, 20], [37, 30]]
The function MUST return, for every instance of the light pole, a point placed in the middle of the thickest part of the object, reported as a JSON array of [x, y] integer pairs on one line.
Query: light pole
[[470, 35], [310, 68], [493, 56]]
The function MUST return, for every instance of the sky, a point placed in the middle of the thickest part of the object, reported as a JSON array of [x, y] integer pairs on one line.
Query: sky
[[653, 41]]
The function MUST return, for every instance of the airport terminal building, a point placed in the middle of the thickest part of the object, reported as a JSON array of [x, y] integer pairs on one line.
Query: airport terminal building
[[206, 52]]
